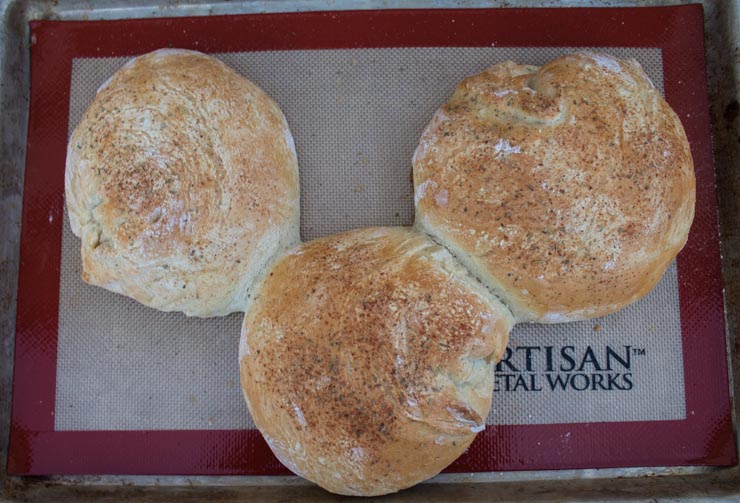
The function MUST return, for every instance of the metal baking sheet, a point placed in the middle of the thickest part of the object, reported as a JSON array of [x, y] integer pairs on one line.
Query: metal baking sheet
[[498, 479]]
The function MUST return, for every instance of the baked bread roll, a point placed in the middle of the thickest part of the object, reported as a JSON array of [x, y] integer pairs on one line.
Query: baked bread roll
[[182, 182], [567, 189], [367, 359]]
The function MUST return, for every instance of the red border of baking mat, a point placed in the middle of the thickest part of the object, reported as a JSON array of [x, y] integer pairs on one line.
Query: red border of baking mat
[[705, 437]]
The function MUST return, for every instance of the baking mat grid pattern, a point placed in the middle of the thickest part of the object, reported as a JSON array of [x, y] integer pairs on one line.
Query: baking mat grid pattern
[[356, 116]]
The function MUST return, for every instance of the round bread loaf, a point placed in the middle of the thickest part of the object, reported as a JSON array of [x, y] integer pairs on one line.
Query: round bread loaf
[[567, 189], [182, 182], [367, 359]]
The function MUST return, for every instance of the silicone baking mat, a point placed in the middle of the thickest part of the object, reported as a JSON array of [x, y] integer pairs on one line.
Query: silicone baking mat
[[105, 385]]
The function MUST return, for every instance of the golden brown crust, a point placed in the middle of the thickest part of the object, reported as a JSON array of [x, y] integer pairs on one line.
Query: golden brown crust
[[367, 359], [181, 181], [567, 189]]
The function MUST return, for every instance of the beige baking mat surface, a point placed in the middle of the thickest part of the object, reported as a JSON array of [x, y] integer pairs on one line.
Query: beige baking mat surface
[[356, 116]]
